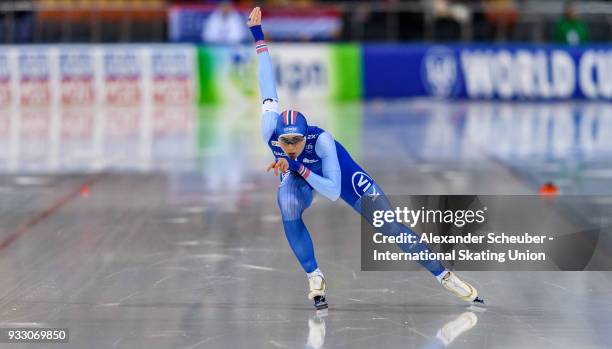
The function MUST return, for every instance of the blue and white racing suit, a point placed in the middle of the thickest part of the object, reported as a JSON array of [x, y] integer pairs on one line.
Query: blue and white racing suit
[[327, 169]]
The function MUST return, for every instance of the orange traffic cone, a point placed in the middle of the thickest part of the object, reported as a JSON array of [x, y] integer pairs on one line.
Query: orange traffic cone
[[549, 189]]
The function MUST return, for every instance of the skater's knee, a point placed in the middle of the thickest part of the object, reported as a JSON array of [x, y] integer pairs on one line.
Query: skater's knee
[[291, 208], [292, 201]]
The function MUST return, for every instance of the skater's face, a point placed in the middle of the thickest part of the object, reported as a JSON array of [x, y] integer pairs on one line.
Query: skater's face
[[292, 145]]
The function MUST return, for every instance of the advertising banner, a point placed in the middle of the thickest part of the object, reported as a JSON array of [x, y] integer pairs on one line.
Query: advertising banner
[[123, 75], [187, 22], [175, 74], [35, 76], [86, 75], [303, 71], [5, 78], [506, 72], [173, 70], [77, 74]]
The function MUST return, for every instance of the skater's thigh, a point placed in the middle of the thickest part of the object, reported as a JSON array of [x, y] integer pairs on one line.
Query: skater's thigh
[[373, 200], [355, 184], [365, 195], [294, 196]]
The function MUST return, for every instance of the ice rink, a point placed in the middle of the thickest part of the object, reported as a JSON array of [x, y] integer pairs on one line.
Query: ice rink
[[147, 227]]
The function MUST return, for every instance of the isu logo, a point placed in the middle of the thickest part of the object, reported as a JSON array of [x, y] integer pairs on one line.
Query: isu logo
[[439, 72], [361, 183]]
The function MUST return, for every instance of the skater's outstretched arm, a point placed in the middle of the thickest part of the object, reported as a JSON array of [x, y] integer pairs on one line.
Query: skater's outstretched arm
[[265, 72]]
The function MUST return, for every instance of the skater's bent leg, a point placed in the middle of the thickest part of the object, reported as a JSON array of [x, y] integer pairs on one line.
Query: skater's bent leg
[[294, 196], [375, 200]]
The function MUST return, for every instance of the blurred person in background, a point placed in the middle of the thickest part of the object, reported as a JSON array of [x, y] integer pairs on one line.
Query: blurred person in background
[[569, 30], [16, 26], [224, 26], [449, 16], [501, 15], [297, 3]]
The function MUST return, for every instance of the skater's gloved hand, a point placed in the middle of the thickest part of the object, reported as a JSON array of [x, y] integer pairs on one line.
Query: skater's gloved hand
[[254, 17], [293, 165], [281, 165], [254, 24]]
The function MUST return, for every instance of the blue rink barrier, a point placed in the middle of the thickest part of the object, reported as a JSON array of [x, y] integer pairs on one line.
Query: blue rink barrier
[[506, 72]]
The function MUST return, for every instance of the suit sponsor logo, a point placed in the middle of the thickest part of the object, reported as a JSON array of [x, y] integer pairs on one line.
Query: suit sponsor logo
[[310, 161], [362, 183]]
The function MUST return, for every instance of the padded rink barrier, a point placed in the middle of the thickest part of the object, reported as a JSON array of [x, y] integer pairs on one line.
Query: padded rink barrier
[[172, 74], [180, 74]]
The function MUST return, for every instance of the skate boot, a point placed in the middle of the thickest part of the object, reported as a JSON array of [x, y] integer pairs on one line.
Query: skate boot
[[462, 289], [316, 283]]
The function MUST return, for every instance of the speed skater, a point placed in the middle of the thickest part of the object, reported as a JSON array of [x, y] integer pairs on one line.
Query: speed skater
[[309, 159]]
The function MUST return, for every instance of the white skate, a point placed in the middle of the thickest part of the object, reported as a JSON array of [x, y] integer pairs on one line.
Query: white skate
[[316, 284], [460, 288]]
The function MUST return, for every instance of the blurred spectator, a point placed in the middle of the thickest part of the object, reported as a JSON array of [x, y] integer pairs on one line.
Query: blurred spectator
[[287, 3], [225, 26], [452, 9], [570, 30], [17, 24], [449, 16], [502, 15]]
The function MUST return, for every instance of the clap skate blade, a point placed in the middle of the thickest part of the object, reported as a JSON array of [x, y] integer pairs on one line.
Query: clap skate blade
[[320, 302]]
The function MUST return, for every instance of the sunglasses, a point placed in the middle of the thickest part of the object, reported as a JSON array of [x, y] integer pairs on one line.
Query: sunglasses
[[290, 139]]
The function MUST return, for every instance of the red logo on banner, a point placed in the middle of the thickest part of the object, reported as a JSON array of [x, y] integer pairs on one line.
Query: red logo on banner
[[77, 91], [172, 91], [123, 91], [35, 92], [5, 93]]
